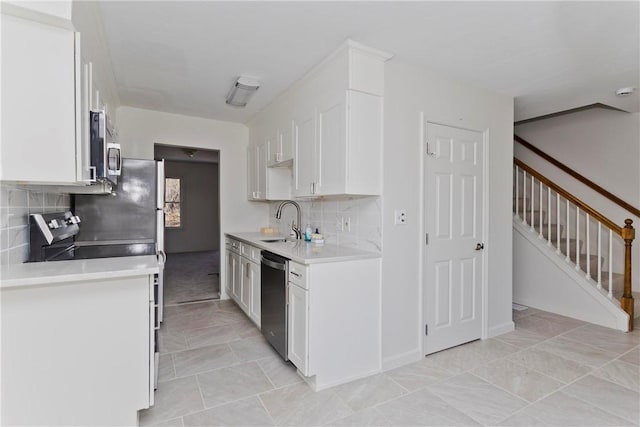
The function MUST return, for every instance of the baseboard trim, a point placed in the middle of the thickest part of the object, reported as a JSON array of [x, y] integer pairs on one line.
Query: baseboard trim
[[312, 381], [504, 328], [402, 359]]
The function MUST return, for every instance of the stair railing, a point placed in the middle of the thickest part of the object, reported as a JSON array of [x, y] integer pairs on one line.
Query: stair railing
[[537, 198]]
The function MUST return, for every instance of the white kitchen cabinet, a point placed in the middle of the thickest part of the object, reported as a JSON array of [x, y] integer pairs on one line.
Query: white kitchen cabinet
[[281, 148], [41, 85], [345, 154], [304, 163], [298, 334], [333, 310], [243, 277], [254, 304], [252, 172], [247, 282], [80, 351], [236, 286], [229, 275], [257, 170], [337, 134]]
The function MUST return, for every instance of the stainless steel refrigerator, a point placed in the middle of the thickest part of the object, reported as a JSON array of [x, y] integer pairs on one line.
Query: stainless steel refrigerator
[[130, 221]]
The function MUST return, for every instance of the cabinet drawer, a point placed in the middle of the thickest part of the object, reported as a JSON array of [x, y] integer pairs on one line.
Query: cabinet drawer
[[255, 255], [299, 274], [245, 250], [233, 245]]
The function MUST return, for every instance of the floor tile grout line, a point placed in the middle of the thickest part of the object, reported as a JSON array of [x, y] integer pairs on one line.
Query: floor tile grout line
[[611, 380], [598, 406], [585, 343], [265, 409]]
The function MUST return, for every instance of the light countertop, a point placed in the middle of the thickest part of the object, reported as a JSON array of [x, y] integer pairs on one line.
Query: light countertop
[[303, 252], [54, 272]]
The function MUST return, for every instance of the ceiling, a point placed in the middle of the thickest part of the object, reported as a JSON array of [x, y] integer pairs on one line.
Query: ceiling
[[183, 57]]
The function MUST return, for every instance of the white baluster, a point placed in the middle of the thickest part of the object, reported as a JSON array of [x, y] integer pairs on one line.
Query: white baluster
[[533, 195], [599, 255], [578, 237], [610, 263], [524, 197], [548, 216], [517, 191], [588, 275], [557, 224], [540, 236], [568, 232]]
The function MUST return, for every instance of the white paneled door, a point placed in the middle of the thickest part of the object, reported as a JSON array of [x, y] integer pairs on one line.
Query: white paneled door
[[454, 245]]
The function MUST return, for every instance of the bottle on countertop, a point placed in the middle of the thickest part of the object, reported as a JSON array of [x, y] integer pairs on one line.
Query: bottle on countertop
[[307, 233]]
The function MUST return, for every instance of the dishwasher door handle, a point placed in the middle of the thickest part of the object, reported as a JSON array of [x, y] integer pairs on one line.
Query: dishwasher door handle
[[276, 265]]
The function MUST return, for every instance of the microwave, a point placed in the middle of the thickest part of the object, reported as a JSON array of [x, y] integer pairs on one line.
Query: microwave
[[105, 156]]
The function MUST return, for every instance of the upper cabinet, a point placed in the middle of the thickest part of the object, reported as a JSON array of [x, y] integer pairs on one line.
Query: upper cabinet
[[47, 91], [40, 92], [332, 120]]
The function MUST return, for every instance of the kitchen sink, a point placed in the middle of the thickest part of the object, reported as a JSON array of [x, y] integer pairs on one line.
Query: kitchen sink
[[275, 240]]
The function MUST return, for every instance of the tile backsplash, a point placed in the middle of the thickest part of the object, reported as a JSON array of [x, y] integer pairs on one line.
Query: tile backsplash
[[16, 203], [330, 215]]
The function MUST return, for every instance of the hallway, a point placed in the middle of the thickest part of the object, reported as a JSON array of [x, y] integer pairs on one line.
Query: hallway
[[191, 277], [216, 369]]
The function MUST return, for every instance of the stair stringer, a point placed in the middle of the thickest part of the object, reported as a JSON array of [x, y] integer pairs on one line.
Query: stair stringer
[[545, 280]]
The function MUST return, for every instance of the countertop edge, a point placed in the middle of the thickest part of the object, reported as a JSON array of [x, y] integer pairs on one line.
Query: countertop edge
[[361, 255], [51, 279]]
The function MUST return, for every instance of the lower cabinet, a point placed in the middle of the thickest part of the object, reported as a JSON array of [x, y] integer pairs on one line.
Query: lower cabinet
[[68, 352], [236, 286], [298, 338], [245, 293], [254, 308], [243, 277]]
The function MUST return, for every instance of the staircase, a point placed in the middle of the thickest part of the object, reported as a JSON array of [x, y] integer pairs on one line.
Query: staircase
[[589, 276]]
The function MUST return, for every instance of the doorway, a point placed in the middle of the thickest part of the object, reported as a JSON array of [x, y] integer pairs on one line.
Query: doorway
[[191, 224], [454, 262]]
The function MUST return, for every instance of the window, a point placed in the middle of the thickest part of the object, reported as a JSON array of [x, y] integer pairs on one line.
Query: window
[[172, 202]]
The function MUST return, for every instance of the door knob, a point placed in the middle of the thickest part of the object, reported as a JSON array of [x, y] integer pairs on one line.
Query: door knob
[[479, 246]]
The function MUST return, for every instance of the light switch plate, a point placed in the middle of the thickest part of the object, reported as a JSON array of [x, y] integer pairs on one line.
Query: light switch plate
[[400, 217]]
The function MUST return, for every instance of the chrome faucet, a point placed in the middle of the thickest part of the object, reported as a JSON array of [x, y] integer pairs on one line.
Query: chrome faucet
[[298, 227]]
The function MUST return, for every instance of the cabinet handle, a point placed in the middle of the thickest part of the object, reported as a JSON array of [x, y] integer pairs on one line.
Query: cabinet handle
[[295, 274], [247, 270]]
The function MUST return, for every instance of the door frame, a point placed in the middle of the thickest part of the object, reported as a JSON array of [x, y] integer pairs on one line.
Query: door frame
[[484, 331]]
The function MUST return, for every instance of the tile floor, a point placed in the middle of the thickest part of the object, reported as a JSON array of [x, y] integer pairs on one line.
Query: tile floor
[[216, 370], [192, 276]]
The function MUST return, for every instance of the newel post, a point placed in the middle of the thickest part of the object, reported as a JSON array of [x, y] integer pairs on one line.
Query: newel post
[[626, 302]]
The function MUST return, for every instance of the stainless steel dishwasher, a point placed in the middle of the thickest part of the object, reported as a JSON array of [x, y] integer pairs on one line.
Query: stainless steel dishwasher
[[274, 272]]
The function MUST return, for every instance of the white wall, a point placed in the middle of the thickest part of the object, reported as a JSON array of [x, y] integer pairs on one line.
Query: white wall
[[141, 129], [410, 91]]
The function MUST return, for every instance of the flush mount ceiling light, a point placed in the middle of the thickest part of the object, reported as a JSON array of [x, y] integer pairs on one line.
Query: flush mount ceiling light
[[241, 91], [625, 91], [190, 152]]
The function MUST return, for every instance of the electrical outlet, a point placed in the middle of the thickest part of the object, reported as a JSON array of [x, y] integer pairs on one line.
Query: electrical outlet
[[400, 217], [347, 224]]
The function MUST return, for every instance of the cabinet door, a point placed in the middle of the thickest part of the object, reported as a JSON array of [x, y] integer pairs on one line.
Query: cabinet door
[[331, 148], [230, 271], [245, 292], [84, 143], [298, 334], [252, 172], [304, 163], [285, 143], [261, 159], [254, 311], [39, 99], [236, 289]]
